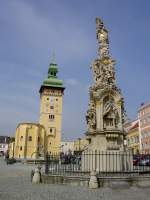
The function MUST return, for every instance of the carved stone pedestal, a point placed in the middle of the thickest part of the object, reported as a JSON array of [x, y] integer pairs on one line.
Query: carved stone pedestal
[[106, 161], [93, 183], [36, 177]]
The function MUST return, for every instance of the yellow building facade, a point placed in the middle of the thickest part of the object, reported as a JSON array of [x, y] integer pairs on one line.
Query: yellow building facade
[[30, 141], [51, 100], [133, 137], [11, 149], [34, 140]]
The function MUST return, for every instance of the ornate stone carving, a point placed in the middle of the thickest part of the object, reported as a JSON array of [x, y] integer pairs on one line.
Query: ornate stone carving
[[103, 67], [103, 72], [91, 117]]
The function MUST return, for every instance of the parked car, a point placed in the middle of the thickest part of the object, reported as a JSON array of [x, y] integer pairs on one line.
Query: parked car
[[136, 159], [145, 162], [141, 160], [10, 161]]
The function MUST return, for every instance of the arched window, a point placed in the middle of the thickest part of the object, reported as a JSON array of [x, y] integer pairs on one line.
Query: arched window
[[51, 130], [21, 138], [30, 138]]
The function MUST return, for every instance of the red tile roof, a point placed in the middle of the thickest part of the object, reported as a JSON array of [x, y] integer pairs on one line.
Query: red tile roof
[[136, 125]]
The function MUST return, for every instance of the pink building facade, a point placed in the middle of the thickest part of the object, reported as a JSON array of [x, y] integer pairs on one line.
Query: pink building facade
[[144, 128]]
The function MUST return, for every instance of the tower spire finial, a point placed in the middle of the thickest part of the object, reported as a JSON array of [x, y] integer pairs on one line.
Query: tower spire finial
[[53, 60]]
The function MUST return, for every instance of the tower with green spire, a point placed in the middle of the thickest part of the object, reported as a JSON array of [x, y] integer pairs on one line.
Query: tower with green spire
[[52, 80], [51, 97]]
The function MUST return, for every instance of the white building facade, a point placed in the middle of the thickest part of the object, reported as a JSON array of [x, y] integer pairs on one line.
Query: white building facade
[[67, 147], [4, 141]]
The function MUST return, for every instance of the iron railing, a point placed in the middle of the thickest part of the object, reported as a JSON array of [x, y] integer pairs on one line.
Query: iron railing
[[104, 163]]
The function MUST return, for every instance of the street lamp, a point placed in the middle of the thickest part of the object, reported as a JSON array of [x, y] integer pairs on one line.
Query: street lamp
[[79, 143]]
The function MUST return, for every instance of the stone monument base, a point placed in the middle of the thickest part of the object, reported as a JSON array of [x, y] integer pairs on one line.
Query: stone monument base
[[106, 161]]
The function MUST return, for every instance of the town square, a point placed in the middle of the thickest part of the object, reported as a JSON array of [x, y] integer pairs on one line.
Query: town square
[[75, 109]]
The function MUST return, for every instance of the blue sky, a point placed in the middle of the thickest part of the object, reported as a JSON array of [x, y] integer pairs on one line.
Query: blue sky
[[32, 29]]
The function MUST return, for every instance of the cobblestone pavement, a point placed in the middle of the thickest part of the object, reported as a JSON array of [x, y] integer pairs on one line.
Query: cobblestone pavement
[[15, 185]]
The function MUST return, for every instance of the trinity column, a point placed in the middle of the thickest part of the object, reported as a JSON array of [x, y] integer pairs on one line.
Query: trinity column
[[105, 115]]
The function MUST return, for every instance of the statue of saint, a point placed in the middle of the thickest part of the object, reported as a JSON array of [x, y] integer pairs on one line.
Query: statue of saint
[[91, 117], [110, 113], [102, 37]]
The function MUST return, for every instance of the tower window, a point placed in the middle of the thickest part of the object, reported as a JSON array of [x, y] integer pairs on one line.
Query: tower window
[[47, 98], [51, 117], [20, 148], [56, 99], [30, 138], [51, 130], [21, 138], [51, 107]]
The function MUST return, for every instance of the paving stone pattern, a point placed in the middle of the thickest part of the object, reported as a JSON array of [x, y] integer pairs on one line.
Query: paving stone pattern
[[15, 185]]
